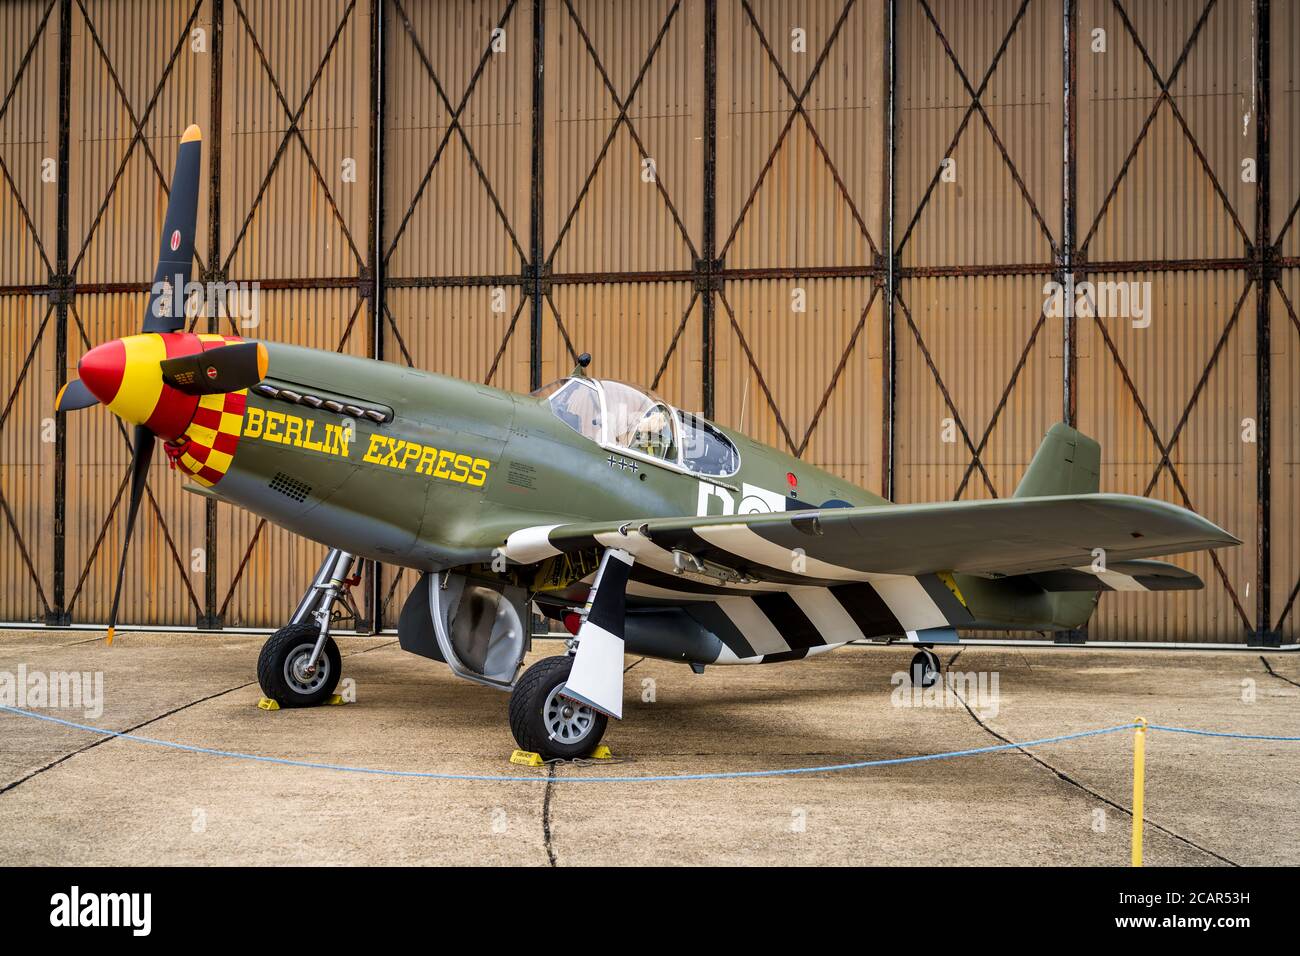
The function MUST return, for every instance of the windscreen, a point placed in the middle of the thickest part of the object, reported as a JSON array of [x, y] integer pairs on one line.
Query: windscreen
[[705, 450]]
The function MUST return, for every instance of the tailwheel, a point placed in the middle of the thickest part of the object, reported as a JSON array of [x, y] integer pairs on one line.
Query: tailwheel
[[925, 668], [545, 723], [283, 671]]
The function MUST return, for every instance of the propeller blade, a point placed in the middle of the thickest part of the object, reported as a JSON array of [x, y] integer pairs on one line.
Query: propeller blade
[[74, 396], [176, 250], [227, 368], [141, 456]]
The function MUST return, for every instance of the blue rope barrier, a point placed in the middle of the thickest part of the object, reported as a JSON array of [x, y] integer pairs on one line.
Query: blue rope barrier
[[1216, 733], [501, 778], [658, 778]]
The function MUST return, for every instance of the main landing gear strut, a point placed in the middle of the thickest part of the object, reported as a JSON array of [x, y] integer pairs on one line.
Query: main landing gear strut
[[300, 664], [561, 705]]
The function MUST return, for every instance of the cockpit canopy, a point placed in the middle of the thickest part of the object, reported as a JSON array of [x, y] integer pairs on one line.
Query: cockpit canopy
[[620, 417]]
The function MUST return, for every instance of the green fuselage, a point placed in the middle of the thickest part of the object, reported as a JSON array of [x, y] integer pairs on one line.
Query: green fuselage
[[385, 494], [460, 466]]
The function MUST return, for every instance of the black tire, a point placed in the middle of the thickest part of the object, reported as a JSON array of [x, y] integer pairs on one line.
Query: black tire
[[925, 669], [274, 666], [529, 720]]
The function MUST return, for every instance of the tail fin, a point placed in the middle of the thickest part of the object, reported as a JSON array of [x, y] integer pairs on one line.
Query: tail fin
[[1068, 462]]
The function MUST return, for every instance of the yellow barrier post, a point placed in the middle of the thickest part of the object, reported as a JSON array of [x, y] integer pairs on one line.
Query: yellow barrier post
[[1139, 789]]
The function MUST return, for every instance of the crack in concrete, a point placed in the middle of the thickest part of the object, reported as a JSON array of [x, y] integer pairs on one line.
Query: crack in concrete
[[145, 723], [1272, 673], [548, 842], [1062, 775], [103, 740], [98, 638]]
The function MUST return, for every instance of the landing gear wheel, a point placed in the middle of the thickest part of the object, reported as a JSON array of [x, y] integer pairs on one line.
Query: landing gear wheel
[[545, 723], [282, 667], [925, 668]]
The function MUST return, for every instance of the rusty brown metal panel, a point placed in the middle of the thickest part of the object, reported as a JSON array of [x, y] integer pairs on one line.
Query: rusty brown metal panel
[[603, 210], [28, 139], [28, 252], [978, 384], [1285, 132], [646, 334], [1285, 380], [1160, 177], [161, 585], [118, 182], [477, 332], [295, 204], [262, 570], [26, 457], [332, 319], [979, 176], [396, 587], [805, 382], [469, 217], [1182, 385], [977, 351], [800, 93]]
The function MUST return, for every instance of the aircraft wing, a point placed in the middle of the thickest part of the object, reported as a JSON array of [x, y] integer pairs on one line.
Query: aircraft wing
[[778, 586], [991, 538]]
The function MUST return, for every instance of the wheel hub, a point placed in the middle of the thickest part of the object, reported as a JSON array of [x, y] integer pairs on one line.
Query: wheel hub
[[925, 668], [566, 721], [305, 680]]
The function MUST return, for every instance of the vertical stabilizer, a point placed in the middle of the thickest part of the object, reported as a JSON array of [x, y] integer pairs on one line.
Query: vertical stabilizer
[[1068, 462]]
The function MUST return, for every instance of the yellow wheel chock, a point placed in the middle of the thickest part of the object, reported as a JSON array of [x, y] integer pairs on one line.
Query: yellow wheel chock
[[526, 758], [266, 703]]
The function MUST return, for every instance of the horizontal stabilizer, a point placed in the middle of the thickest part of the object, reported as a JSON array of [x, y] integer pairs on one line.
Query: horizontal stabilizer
[[1120, 576]]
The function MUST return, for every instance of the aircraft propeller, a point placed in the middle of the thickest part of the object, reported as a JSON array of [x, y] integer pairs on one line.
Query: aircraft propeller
[[133, 376]]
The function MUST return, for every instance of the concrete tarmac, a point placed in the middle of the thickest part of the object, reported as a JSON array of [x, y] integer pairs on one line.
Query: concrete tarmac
[[71, 797]]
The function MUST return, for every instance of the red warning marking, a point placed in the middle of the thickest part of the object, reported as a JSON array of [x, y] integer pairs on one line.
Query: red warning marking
[[176, 240]]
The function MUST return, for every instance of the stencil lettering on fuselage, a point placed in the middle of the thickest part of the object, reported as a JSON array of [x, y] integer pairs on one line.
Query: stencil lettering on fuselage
[[402, 455], [281, 428], [716, 500]]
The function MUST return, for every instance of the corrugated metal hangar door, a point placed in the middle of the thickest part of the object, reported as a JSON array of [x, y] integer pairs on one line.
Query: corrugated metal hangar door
[[704, 194]]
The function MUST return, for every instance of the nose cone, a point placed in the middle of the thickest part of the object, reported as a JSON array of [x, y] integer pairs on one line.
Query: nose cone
[[103, 368], [126, 375]]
